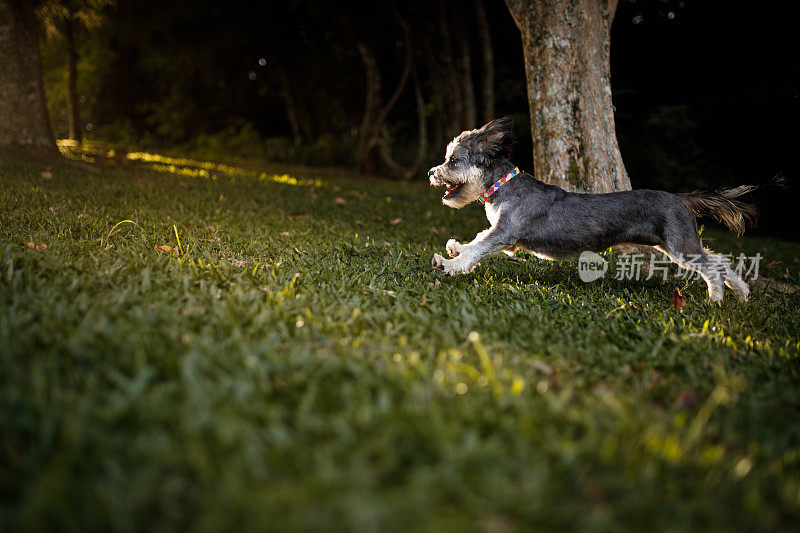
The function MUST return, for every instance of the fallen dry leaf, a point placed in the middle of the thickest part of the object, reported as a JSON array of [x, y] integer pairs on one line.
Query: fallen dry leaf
[[30, 245], [285, 234], [299, 251], [395, 221], [238, 263], [41, 246], [47, 174], [341, 201], [164, 248], [677, 301]]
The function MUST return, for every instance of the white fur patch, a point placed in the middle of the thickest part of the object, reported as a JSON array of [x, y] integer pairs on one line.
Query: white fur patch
[[492, 213], [450, 147], [473, 174]]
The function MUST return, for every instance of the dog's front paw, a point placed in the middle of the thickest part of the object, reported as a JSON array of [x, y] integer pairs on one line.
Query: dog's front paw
[[451, 267], [453, 247], [438, 262]]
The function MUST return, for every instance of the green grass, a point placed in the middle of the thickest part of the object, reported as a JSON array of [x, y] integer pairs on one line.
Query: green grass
[[298, 365]]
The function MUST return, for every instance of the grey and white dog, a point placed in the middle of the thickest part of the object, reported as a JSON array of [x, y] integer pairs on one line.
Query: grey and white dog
[[555, 224]]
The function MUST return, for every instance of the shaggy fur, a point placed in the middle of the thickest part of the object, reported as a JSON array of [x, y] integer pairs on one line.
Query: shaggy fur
[[554, 224]]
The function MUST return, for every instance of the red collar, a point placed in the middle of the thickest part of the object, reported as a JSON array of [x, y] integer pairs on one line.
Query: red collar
[[485, 196]]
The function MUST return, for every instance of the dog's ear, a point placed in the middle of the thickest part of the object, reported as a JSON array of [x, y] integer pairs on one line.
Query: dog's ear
[[496, 136]]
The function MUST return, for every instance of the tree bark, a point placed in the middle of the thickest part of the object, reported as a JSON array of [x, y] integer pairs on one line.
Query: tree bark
[[73, 109], [567, 63], [23, 113], [487, 85]]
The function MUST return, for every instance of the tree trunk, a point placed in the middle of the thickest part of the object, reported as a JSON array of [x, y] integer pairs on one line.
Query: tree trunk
[[485, 39], [23, 112], [374, 112], [422, 146], [453, 102], [470, 120], [291, 109], [372, 97], [567, 45], [73, 110]]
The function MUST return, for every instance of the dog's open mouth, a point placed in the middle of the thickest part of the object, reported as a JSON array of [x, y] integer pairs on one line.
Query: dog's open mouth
[[452, 189]]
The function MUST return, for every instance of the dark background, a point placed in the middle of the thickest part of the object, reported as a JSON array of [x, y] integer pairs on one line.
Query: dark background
[[706, 92]]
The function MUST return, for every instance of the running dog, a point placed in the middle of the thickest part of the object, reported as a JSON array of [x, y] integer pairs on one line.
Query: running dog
[[552, 223]]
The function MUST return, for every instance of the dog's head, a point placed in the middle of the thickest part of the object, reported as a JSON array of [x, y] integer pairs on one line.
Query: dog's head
[[468, 159]]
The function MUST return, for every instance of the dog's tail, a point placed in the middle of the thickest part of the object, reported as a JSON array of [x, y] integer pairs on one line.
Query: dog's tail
[[726, 205]]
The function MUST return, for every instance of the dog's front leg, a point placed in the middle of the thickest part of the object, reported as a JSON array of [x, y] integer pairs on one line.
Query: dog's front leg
[[486, 244], [454, 247]]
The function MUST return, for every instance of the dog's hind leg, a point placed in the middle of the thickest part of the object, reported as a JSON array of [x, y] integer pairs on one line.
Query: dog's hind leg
[[733, 281], [692, 256], [682, 245]]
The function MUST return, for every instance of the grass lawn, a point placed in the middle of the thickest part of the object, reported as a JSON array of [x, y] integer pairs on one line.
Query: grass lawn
[[210, 347]]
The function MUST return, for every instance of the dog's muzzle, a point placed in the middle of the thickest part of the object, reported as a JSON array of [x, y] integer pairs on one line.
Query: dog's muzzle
[[434, 180]]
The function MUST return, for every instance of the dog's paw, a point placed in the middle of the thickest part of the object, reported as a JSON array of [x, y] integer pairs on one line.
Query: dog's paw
[[438, 262], [454, 267], [453, 247], [451, 267]]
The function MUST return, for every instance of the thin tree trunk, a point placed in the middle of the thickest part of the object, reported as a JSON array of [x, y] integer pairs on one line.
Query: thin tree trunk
[[422, 146], [291, 108], [23, 111], [453, 102], [73, 109], [422, 129], [487, 85], [470, 120], [374, 113], [369, 134], [567, 47]]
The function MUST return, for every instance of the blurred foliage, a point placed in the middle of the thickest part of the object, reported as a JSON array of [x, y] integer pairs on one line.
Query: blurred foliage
[[696, 103], [94, 61]]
